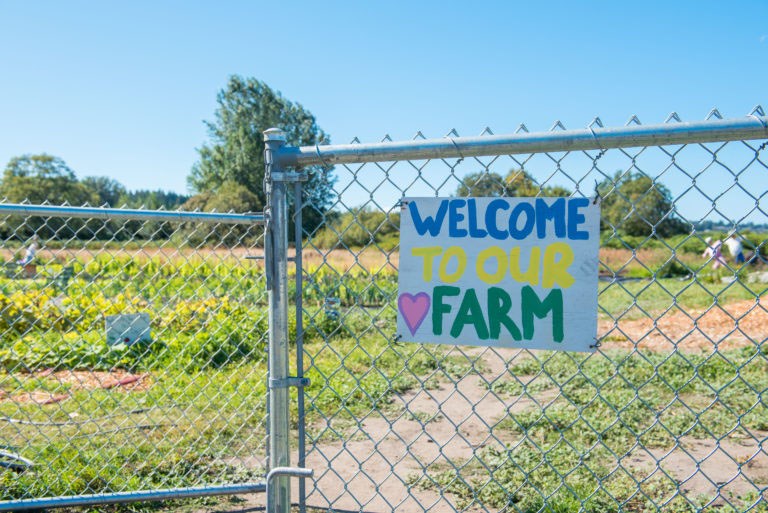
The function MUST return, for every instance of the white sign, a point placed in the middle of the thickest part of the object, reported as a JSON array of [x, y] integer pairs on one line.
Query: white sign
[[128, 328], [502, 272]]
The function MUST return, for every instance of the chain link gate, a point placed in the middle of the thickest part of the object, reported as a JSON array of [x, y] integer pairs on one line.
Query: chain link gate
[[133, 356], [667, 415]]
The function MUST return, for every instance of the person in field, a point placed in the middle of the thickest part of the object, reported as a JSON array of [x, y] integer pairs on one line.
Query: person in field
[[714, 252], [29, 254], [735, 248]]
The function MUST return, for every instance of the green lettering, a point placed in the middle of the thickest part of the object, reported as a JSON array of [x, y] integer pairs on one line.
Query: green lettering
[[533, 306], [439, 308], [470, 313], [499, 304]]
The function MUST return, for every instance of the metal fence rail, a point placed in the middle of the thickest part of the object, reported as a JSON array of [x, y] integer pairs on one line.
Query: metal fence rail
[[667, 415], [595, 137], [95, 406]]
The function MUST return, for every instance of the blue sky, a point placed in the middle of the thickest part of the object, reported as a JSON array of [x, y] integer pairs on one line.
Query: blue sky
[[122, 88]]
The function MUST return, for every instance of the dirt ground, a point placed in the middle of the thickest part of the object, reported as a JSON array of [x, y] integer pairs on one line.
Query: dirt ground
[[67, 381], [735, 324], [435, 429]]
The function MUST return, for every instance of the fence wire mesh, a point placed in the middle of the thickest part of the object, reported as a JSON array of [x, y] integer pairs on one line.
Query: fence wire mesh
[[132, 352], [669, 414]]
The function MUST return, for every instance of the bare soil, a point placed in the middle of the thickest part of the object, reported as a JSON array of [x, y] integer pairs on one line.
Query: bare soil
[[61, 384], [429, 430], [725, 326], [716, 473]]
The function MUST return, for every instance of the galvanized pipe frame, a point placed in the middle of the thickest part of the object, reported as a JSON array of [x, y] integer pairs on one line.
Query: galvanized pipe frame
[[107, 214], [128, 497], [155, 495], [598, 138], [753, 127], [128, 214], [276, 255], [298, 300]]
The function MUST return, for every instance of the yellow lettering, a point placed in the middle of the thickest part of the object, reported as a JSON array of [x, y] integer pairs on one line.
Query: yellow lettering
[[531, 275], [501, 265], [556, 269], [428, 253], [461, 261]]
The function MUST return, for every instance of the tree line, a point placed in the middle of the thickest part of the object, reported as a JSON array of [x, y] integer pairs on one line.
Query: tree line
[[230, 171], [228, 176], [633, 205]]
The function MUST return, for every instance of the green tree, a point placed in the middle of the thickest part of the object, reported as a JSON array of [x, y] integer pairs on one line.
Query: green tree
[[108, 191], [359, 227], [229, 197], [44, 179], [482, 185], [635, 205], [235, 152], [517, 183], [148, 199]]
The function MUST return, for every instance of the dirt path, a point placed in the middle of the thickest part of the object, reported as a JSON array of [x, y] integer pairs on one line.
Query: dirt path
[[430, 430], [736, 324]]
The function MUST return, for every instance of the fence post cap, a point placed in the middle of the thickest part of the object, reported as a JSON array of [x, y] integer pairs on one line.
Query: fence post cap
[[274, 134]]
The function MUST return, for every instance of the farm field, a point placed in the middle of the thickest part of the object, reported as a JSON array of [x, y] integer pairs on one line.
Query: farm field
[[189, 407]]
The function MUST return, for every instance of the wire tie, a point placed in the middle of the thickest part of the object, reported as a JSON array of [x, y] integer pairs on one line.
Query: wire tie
[[325, 164], [599, 144], [759, 120], [598, 197], [461, 155]]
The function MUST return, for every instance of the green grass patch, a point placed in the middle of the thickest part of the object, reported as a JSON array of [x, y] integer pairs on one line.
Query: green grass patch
[[599, 409], [637, 299]]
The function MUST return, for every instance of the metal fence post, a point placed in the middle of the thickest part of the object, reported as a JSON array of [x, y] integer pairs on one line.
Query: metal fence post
[[277, 271]]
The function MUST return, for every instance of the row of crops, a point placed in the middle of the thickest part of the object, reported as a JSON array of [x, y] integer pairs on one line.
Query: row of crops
[[204, 312]]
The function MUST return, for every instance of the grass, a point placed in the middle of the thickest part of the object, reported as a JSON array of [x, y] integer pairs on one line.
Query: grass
[[637, 299], [202, 418], [608, 404]]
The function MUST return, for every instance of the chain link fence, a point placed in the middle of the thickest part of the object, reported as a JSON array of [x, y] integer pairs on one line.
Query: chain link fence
[[133, 355], [138, 349], [669, 413]]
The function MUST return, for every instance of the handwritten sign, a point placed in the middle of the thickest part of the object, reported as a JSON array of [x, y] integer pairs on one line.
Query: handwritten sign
[[503, 272]]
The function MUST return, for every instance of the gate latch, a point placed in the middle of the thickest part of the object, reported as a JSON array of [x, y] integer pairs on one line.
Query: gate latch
[[287, 176], [288, 382]]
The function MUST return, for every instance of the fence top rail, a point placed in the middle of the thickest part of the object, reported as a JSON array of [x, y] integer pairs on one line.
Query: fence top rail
[[751, 127], [129, 214]]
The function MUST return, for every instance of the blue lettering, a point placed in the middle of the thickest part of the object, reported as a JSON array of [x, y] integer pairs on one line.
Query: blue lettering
[[490, 219], [428, 224], [530, 220], [474, 231], [555, 212], [455, 217], [575, 218]]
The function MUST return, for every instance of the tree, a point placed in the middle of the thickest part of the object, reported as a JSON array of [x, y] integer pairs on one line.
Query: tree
[[235, 152], [635, 205], [156, 199], [359, 227], [108, 191], [517, 183], [229, 197], [43, 179]]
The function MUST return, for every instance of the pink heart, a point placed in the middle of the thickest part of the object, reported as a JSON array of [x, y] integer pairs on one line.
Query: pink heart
[[414, 309]]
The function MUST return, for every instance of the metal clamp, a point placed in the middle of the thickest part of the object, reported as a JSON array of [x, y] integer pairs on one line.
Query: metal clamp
[[284, 471], [288, 382], [285, 176]]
